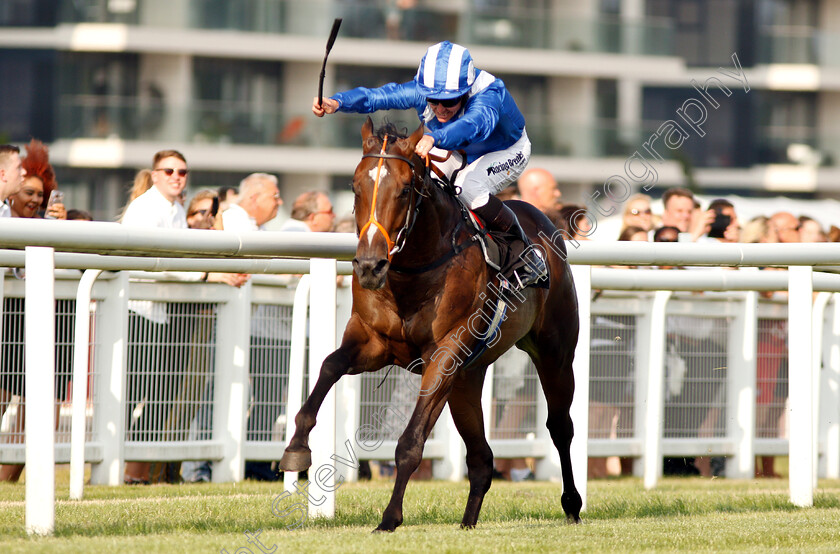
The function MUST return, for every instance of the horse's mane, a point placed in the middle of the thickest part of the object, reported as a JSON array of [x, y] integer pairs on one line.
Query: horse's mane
[[391, 130]]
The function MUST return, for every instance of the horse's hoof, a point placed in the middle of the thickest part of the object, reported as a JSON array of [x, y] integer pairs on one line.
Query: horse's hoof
[[296, 461], [572, 504], [382, 529], [467, 526], [388, 525], [573, 520]]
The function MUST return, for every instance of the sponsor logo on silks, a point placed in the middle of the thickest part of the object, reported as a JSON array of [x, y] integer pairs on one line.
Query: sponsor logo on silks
[[505, 166]]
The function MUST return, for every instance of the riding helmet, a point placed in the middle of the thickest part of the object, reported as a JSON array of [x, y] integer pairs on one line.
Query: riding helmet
[[446, 71]]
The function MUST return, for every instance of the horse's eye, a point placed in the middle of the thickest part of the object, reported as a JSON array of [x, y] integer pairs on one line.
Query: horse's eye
[[404, 192]]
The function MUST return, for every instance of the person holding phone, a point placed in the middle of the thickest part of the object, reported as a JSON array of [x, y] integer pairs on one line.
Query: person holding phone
[[722, 221], [38, 185]]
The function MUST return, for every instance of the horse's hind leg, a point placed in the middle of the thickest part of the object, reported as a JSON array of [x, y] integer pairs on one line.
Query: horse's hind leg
[[465, 406], [558, 383]]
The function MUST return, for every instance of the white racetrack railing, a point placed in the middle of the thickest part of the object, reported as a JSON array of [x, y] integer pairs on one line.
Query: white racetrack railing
[[646, 424]]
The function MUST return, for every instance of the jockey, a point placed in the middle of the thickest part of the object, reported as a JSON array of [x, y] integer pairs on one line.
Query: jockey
[[462, 109]]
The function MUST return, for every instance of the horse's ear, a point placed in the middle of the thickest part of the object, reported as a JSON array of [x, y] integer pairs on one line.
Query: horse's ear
[[367, 129], [416, 136], [368, 138]]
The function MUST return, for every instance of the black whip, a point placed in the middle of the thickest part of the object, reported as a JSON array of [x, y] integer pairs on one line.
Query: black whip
[[330, 42]]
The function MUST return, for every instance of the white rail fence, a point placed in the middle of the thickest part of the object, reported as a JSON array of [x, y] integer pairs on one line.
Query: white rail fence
[[628, 371]]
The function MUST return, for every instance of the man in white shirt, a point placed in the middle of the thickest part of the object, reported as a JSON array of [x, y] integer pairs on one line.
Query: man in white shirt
[[259, 199], [311, 212], [11, 176], [156, 349]]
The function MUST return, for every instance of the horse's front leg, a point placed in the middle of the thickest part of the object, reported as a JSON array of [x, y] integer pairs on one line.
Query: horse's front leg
[[357, 346], [435, 388]]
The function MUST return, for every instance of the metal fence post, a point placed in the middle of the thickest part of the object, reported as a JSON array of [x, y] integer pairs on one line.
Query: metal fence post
[[230, 383], [81, 359], [654, 400], [830, 400], [322, 344], [641, 362], [801, 397], [818, 322], [297, 356], [741, 361], [108, 421], [452, 466], [40, 390], [487, 400], [348, 389], [580, 404]]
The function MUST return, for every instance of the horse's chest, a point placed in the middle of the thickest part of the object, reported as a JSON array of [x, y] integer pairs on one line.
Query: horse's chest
[[418, 319]]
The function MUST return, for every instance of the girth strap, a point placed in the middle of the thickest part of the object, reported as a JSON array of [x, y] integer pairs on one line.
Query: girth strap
[[454, 251]]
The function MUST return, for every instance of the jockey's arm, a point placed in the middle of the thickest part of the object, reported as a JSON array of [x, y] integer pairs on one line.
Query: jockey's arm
[[475, 125], [393, 96]]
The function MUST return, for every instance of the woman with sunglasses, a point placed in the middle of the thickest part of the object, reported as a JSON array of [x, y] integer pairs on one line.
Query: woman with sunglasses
[[462, 108], [202, 211]]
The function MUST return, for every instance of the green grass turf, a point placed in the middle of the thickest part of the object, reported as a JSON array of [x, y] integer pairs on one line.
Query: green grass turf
[[690, 514]]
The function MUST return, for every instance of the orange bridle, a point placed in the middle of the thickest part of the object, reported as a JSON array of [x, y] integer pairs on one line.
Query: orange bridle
[[372, 219]]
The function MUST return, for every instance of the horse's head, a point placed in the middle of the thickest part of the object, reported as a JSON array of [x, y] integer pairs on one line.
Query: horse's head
[[386, 185]]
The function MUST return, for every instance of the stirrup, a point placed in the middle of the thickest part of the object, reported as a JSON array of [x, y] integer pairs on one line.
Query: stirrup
[[533, 271]]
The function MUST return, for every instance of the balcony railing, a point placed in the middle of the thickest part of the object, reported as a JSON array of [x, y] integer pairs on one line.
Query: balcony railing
[[789, 45], [134, 118], [506, 25], [798, 45], [220, 122]]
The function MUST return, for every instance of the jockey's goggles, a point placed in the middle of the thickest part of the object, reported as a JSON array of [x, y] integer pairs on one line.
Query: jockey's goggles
[[448, 103]]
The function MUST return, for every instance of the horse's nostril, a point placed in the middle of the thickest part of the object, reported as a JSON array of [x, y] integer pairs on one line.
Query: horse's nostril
[[380, 267]]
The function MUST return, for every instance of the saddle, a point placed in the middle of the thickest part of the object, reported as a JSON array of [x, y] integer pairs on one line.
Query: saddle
[[502, 251]]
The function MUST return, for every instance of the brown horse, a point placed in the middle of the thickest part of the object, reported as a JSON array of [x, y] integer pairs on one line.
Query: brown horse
[[420, 304]]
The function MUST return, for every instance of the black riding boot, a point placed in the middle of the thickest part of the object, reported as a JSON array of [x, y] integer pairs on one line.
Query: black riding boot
[[499, 217]]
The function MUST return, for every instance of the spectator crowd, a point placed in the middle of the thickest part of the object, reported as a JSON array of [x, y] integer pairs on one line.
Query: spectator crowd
[[158, 199]]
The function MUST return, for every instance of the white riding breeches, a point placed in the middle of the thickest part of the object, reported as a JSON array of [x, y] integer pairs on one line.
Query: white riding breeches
[[488, 174]]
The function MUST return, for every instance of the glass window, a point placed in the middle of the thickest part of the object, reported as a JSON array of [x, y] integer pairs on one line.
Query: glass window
[[239, 101], [25, 113], [728, 139], [98, 96], [706, 32], [785, 119], [27, 13]]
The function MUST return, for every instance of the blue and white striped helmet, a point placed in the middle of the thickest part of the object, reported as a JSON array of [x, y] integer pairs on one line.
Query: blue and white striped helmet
[[446, 71]]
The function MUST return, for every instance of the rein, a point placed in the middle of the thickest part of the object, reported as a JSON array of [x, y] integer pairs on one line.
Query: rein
[[398, 244]]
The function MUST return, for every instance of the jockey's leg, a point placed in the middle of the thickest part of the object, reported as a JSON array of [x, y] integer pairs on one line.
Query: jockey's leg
[[499, 217], [487, 176]]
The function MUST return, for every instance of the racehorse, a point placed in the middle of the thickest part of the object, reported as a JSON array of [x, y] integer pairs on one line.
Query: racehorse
[[418, 286]]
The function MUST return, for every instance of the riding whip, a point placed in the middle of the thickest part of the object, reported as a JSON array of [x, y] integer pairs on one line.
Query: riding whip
[[330, 42]]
